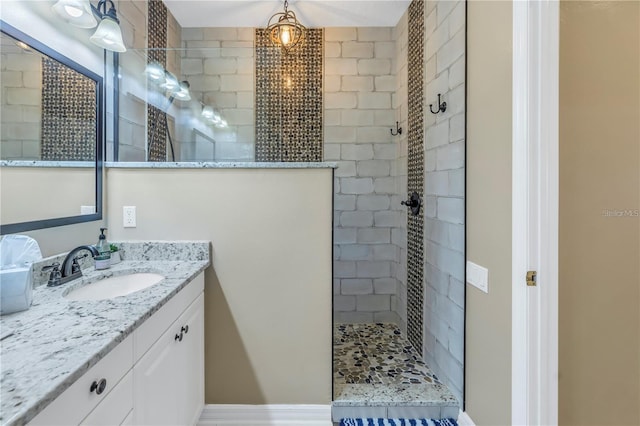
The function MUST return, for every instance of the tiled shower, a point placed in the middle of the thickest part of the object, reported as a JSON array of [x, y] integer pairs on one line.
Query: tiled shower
[[422, 268], [355, 88]]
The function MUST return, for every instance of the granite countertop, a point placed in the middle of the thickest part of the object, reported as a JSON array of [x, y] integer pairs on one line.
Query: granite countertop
[[41, 163], [222, 165], [56, 341]]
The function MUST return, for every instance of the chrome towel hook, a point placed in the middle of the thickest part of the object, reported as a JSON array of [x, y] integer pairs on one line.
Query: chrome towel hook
[[442, 106]]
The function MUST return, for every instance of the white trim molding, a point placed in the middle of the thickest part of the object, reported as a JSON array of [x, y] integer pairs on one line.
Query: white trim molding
[[464, 419], [272, 415], [535, 212]]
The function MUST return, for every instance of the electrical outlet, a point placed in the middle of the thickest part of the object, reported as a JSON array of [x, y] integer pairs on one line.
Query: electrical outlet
[[478, 276], [129, 216]]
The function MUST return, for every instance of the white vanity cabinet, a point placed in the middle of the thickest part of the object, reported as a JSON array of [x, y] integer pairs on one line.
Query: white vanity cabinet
[[93, 389], [154, 377], [168, 379]]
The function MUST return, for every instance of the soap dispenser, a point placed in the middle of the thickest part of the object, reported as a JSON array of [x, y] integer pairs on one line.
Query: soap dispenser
[[103, 259]]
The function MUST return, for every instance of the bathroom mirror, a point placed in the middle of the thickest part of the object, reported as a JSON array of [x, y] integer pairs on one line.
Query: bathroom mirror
[[51, 118]]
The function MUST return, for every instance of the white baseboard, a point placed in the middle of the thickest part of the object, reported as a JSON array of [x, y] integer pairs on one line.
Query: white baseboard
[[464, 419], [265, 415]]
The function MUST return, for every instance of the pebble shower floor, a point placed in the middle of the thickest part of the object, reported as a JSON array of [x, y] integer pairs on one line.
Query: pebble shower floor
[[375, 362]]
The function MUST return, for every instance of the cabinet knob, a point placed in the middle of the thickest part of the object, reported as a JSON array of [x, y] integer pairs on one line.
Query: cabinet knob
[[98, 387], [185, 329], [178, 337]]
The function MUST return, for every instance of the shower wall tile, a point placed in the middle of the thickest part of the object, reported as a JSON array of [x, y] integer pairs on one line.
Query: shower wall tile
[[20, 122], [360, 81], [157, 44], [68, 126], [133, 110], [289, 99], [415, 174], [444, 201], [399, 166], [219, 64]]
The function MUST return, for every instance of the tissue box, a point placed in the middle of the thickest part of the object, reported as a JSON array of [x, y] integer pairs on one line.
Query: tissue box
[[16, 289]]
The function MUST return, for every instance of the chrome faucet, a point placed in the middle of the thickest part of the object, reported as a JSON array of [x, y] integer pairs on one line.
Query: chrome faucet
[[70, 269]]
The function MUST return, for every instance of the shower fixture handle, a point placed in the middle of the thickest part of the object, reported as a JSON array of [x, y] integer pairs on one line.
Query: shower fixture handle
[[413, 202]]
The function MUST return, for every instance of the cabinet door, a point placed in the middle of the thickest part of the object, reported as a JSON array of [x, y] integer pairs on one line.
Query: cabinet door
[[166, 387], [113, 410], [192, 363]]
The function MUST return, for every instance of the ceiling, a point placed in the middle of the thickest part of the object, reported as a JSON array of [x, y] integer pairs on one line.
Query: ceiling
[[311, 13]]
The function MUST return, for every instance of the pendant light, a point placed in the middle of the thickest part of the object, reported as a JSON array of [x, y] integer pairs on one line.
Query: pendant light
[[285, 30], [108, 35]]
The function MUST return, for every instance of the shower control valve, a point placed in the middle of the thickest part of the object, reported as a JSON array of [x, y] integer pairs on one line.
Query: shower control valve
[[414, 202]]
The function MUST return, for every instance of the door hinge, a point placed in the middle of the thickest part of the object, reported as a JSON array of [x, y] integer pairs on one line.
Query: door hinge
[[531, 278]]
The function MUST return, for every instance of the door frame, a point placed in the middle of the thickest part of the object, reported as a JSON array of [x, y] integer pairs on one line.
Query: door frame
[[535, 202]]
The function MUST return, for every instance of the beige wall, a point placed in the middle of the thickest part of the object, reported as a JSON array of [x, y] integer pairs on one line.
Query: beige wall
[[488, 316], [15, 207], [268, 294], [29, 193], [599, 359]]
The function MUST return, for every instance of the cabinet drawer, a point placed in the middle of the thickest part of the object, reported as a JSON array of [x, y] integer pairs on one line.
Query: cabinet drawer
[[115, 407], [75, 403], [149, 332]]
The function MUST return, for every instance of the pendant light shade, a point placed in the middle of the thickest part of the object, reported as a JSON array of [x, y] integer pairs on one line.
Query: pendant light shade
[[285, 30], [76, 12], [108, 35]]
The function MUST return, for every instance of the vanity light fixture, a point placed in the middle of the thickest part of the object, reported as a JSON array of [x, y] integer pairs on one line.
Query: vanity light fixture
[[207, 112], [82, 14], [155, 72], [285, 30], [171, 83], [212, 116], [183, 91], [76, 12]]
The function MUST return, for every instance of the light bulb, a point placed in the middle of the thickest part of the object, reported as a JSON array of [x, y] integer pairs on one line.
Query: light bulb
[[285, 35]]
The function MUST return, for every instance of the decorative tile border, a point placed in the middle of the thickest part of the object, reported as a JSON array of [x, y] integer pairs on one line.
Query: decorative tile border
[[68, 114], [289, 102], [157, 43], [415, 224]]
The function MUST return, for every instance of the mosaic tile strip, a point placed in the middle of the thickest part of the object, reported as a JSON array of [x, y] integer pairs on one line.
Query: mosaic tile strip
[[68, 114], [376, 354], [157, 43], [289, 102], [415, 172]]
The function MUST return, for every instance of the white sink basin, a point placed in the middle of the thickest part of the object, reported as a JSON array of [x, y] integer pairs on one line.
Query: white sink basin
[[109, 288]]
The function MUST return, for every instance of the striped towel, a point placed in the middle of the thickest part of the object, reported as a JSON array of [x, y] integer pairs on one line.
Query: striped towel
[[398, 422]]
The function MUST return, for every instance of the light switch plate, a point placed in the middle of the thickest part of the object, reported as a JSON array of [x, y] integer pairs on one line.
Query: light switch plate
[[478, 276]]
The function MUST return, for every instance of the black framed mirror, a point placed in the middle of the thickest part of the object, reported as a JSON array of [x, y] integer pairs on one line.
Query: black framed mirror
[[52, 145]]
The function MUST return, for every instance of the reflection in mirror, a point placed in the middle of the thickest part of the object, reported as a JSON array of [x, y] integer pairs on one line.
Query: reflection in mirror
[[197, 107], [48, 110], [51, 136]]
